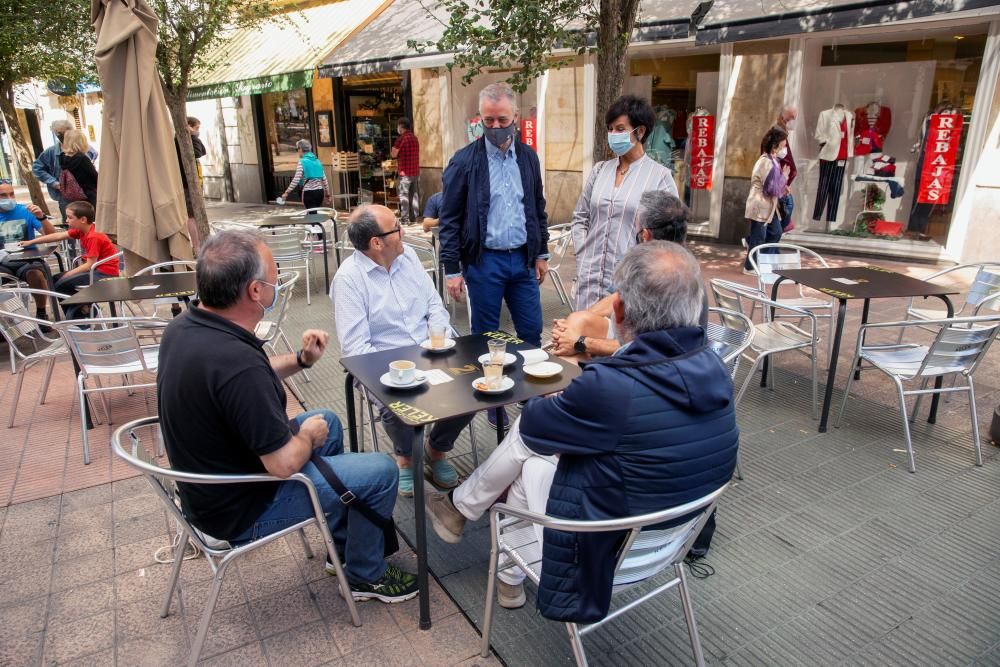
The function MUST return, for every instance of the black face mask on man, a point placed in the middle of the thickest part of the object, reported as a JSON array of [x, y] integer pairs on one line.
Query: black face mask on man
[[499, 136]]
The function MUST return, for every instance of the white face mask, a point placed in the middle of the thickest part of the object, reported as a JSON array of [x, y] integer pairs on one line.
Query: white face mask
[[790, 125], [782, 154]]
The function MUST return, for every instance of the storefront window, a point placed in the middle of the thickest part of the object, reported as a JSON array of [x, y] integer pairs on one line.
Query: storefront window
[[681, 89], [883, 128], [375, 103], [286, 120]]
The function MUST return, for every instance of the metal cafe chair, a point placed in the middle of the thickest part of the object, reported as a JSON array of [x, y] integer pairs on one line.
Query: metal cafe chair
[[270, 331], [645, 553], [959, 345], [729, 340], [560, 237], [128, 446], [985, 286], [18, 326], [174, 266], [789, 256], [291, 250], [426, 254], [108, 346], [770, 337]]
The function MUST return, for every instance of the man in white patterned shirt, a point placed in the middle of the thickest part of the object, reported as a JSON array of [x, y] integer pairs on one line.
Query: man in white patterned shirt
[[383, 299]]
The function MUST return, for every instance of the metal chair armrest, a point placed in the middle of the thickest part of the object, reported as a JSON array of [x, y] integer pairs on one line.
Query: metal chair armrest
[[926, 323]]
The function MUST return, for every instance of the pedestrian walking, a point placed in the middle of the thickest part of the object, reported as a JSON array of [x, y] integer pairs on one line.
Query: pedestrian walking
[[46, 166], [312, 176], [406, 152], [768, 183], [786, 204], [193, 128], [75, 160]]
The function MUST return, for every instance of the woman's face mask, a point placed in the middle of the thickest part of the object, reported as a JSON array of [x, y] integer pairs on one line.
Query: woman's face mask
[[620, 142]]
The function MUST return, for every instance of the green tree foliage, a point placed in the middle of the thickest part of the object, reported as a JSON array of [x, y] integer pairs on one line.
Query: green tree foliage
[[528, 38], [40, 39], [192, 35]]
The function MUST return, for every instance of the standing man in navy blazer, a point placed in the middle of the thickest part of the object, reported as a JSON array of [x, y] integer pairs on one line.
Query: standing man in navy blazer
[[494, 231]]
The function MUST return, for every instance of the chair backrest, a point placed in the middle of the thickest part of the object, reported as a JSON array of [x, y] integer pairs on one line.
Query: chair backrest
[[780, 256], [425, 252], [15, 317], [119, 256], [223, 225], [730, 339], [560, 237], [287, 243], [729, 295], [365, 196], [985, 285], [7, 280], [107, 344], [175, 266], [960, 345], [647, 552]]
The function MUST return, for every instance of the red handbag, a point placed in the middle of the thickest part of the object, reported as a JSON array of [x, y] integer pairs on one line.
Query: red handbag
[[69, 187]]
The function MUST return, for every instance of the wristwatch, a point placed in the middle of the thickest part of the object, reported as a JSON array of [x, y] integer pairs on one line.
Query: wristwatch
[[580, 345], [298, 360]]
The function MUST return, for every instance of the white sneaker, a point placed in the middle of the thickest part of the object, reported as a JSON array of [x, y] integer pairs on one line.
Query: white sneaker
[[510, 596]]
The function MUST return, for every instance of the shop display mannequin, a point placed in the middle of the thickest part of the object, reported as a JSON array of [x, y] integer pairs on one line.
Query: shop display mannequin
[[872, 123], [660, 145], [474, 128], [834, 132]]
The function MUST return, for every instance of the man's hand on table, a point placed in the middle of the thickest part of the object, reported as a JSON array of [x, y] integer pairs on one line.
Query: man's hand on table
[[316, 430], [314, 343]]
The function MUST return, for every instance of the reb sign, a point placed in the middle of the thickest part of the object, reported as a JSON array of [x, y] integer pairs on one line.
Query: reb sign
[[940, 157], [702, 151]]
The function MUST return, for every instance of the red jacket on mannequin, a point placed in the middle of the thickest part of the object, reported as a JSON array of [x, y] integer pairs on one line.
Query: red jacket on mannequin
[[869, 136]]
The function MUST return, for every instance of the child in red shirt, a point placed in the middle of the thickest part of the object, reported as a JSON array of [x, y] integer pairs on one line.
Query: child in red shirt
[[95, 245]]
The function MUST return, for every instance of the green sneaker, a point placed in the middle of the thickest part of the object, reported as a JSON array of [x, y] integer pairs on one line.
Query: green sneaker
[[394, 586]]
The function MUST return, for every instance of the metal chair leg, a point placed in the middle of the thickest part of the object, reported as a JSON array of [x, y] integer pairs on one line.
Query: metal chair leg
[[371, 425], [906, 424], [739, 472], [491, 583], [475, 448], [847, 392], [206, 615], [975, 421], [17, 395], [815, 383], [577, 643], [682, 588], [305, 544], [920, 398], [749, 378], [175, 573], [83, 418], [48, 377]]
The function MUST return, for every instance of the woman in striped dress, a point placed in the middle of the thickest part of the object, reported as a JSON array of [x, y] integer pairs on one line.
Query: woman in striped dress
[[605, 219]]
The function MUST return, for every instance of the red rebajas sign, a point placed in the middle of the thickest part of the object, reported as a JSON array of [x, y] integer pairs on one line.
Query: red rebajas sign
[[702, 151], [940, 156]]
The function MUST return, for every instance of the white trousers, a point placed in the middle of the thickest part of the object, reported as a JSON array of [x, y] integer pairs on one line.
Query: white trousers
[[512, 464]]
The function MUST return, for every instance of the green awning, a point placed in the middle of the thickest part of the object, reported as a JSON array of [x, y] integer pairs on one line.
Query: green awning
[[261, 84]]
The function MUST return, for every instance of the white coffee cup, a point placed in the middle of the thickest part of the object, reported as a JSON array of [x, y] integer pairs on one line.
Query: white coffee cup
[[11, 247], [402, 372]]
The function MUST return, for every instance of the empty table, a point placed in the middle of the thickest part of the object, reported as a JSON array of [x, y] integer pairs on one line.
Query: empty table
[[150, 286], [308, 220], [860, 282]]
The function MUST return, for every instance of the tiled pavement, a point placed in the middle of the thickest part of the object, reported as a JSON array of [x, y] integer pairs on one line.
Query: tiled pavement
[[829, 552]]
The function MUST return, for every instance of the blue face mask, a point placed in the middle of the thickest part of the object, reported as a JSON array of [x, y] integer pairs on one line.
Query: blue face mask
[[620, 142], [274, 302], [7, 205]]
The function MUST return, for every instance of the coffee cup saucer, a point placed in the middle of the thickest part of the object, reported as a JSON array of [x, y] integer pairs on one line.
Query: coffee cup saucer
[[448, 344], [506, 384], [419, 378]]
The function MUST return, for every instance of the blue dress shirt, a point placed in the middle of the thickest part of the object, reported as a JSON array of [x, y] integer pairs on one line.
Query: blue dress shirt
[[505, 222]]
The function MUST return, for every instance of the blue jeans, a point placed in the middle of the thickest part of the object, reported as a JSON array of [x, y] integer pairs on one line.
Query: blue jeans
[[760, 233], [503, 276], [788, 204], [371, 477]]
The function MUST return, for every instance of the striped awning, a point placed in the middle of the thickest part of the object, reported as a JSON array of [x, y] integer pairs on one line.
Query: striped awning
[[281, 53]]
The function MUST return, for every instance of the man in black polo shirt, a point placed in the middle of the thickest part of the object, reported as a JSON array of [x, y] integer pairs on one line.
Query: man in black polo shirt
[[222, 411]]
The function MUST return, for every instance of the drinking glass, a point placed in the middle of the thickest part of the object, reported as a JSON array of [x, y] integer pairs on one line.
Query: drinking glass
[[498, 349], [437, 334], [493, 371]]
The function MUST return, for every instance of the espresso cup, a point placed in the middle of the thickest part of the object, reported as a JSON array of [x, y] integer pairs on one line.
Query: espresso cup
[[402, 372], [11, 247]]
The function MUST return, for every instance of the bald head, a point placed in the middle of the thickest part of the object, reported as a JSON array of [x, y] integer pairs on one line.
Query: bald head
[[660, 287], [787, 114], [368, 222]]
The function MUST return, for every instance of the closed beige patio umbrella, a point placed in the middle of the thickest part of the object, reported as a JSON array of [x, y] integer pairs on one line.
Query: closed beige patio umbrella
[[139, 193]]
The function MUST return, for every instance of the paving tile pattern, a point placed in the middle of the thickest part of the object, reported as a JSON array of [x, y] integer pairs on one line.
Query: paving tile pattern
[[828, 552]]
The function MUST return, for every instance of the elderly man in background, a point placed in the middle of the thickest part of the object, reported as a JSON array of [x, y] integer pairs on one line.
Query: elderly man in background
[[46, 166], [493, 226], [649, 428], [786, 204], [591, 333], [384, 299], [222, 411]]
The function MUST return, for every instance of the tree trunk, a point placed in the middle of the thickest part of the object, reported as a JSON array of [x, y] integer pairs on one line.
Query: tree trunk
[[177, 104], [227, 169], [22, 154], [617, 19]]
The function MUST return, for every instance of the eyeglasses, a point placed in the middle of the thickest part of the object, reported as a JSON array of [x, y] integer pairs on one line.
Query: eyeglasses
[[398, 228]]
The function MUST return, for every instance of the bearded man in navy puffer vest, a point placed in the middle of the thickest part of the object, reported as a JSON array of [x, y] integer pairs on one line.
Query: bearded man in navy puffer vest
[[649, 428]]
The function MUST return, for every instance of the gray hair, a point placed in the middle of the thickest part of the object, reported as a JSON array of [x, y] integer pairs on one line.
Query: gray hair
[[363, 227], [660, 287], [227, 263], [304, 145], [664, 215], [498, 92], [61, 125]]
